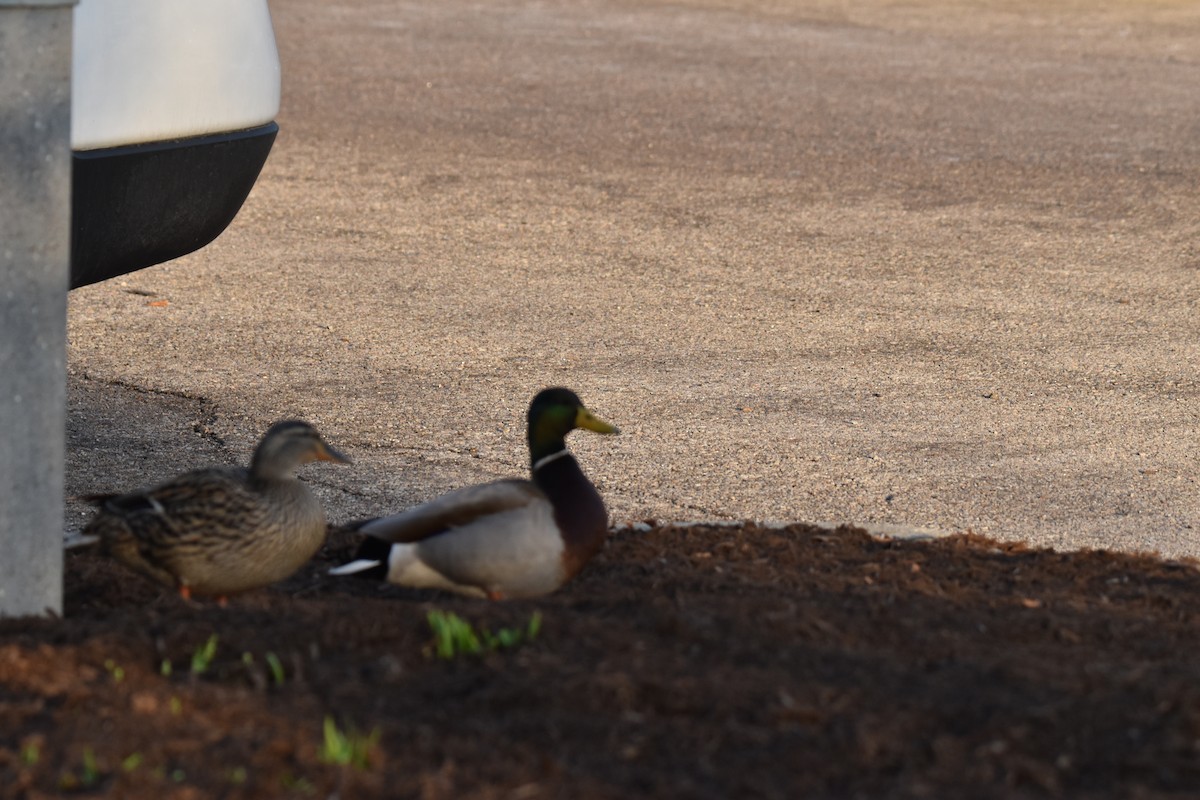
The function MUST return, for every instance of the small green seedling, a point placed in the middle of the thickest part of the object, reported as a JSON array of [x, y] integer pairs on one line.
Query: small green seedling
[[276, 667], [511, 637], [118, 674], [347, 748], [293, 784], [203, 657], [164, 668], [237, 775], [90, 773], [31, 754], [131, 762], [176, 706], [178, 775], [454, 636]]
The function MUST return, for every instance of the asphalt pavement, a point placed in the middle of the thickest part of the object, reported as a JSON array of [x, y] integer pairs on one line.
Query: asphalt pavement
[[926, 264]]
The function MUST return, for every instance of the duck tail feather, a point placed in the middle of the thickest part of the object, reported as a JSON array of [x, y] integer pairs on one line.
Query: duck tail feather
[[75, 539], [356, 566], [370, 561]]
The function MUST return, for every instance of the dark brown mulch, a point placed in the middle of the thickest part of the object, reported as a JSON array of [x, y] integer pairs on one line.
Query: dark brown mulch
[[706, 662]]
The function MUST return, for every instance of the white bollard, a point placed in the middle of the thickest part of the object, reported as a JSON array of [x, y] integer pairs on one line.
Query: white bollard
[[35, 220]]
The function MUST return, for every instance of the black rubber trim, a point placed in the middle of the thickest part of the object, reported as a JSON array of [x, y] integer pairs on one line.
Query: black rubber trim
[[140, 205]]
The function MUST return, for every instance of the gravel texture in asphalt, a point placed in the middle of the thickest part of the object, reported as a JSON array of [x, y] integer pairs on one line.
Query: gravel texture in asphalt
[[929, 264]]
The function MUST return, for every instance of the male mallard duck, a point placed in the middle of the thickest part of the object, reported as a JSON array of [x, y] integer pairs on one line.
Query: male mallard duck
[[222, 530], [508, 538]]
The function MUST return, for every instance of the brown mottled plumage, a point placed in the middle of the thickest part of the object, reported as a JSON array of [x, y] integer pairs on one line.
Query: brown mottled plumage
[[223, 530]]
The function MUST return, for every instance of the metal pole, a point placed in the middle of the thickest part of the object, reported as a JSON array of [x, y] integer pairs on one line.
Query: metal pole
[[35, 218]]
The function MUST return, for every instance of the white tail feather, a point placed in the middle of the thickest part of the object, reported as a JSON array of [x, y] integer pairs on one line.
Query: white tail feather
[[77, 539], [358, 565]]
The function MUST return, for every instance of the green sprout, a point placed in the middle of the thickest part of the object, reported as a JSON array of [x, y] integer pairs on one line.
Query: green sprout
[[276, 667], [131, 762], [91, 772], [164, 668], [118, 674], [454, 636], [203, 657], [293, 784], [237, 775], [511, 637], [347, 748], [31, 753], [176, 706]]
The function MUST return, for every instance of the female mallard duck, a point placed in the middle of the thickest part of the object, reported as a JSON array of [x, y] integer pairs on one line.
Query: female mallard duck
[[226, 529], [508, 538]]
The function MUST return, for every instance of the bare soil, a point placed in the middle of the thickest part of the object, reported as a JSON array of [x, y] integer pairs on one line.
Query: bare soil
[[687, 661]]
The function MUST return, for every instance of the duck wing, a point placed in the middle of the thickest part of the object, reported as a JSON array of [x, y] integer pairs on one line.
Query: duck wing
[[156, 530], [455, 509], [212, 502]]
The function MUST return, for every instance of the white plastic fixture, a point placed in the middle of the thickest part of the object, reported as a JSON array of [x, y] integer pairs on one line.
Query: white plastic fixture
[[157, 70]]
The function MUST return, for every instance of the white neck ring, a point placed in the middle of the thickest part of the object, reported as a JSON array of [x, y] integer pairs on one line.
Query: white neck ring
[[544, 460]]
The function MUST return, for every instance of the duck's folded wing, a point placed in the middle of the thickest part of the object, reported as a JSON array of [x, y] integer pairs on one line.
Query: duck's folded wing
[[202, 502], [452, 510]]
